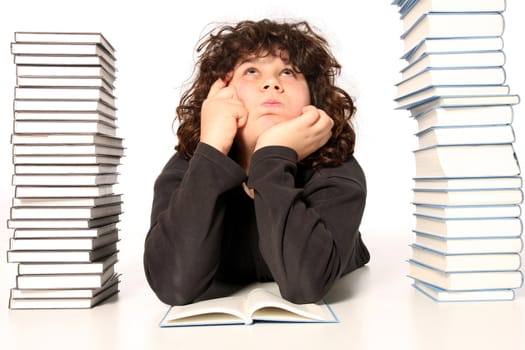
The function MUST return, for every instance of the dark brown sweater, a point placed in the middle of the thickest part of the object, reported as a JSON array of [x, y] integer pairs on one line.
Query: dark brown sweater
[[301, 230]]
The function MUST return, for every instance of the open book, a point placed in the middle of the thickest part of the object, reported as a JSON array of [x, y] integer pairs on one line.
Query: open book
[[260, 302]]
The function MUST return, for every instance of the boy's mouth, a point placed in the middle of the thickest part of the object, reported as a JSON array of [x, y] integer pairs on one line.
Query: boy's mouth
[[272, 103]]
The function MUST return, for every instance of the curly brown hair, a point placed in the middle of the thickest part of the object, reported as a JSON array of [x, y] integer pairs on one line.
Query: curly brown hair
[[221, 49]]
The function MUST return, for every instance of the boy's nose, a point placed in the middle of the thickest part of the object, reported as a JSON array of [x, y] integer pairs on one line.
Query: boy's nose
[[271, 84]]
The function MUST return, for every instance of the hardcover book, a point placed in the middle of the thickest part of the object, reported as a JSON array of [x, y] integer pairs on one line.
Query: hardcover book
[[466, 262], [463, 228], [98, 266], [453, 44], [466, 115], [411, 11], [56, 256], [466, 160], [65, 38], [469, 245], [64, 281], [62, 298], [84, 243], [464, 281], [458, 60], [439, 294], [466, 135], [452, 76], [449, 25], [468, 211]]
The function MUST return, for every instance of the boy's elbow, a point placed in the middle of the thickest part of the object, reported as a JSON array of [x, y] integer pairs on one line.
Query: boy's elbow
[[302, 294], [309, 285], [169, 291], [169, 286]]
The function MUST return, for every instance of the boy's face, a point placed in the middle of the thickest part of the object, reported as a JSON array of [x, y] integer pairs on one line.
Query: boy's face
[[271, 91]]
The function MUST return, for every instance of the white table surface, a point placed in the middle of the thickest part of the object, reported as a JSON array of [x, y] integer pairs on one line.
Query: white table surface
[[376, 305]]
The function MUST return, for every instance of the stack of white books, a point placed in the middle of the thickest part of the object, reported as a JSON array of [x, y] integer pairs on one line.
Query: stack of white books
[[66, 152], [468, 188]]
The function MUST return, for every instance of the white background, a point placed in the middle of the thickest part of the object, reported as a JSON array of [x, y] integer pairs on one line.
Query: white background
[[155, 43]]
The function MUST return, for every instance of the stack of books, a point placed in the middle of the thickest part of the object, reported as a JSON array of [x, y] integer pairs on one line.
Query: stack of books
[[66, 152], [468, 189]]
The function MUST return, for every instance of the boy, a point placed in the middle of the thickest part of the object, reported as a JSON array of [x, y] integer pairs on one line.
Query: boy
[[264, 185]]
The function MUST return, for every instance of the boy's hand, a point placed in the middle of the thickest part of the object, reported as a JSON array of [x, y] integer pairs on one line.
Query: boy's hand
[[304, 134], [222, 114]]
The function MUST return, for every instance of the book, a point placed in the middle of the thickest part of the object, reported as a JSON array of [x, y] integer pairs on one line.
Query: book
[[466, 280], [56, 93], [61, 50], [434, 92], [63, 127], [466, 135], [463, 228], [464, 101], [460, 116], [466, 262], [442, 295], [453, 44], [63, 243], [61, 169], [62, 298], [98, 266], [65, 106], [65, 37], [65, 212], [66, 139], [473, 245], [69, 149], [61, 223], [468, 211], [411, 11], [64, 281], [65, 116], [468, 196], [63, 191], [452, 76], [62, 60], [64, 180], [67, 201], [448, 25], [466, 161], [68, 256], [64, 82], [258, 302], [459, 60], [66, 71], [65, 160], [64, 232], [469, 183], [63, 293]]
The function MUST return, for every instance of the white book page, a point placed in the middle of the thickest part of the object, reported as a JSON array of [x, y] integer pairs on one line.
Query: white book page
[[265, 305], [213, 311]]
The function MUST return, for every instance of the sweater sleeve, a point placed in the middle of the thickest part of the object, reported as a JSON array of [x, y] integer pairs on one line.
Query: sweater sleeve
[[308, 233], [182, 247]]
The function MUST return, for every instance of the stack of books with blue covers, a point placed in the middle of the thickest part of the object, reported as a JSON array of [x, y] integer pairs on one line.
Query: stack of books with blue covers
[[468, 188], [66, 151]]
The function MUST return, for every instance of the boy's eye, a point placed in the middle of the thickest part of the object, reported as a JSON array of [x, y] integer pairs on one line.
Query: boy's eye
[[250, 71], [288, 72]]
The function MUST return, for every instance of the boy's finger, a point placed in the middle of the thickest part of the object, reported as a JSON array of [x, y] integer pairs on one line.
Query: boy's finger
[[326, 118], [217, 86], [311, 114]]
